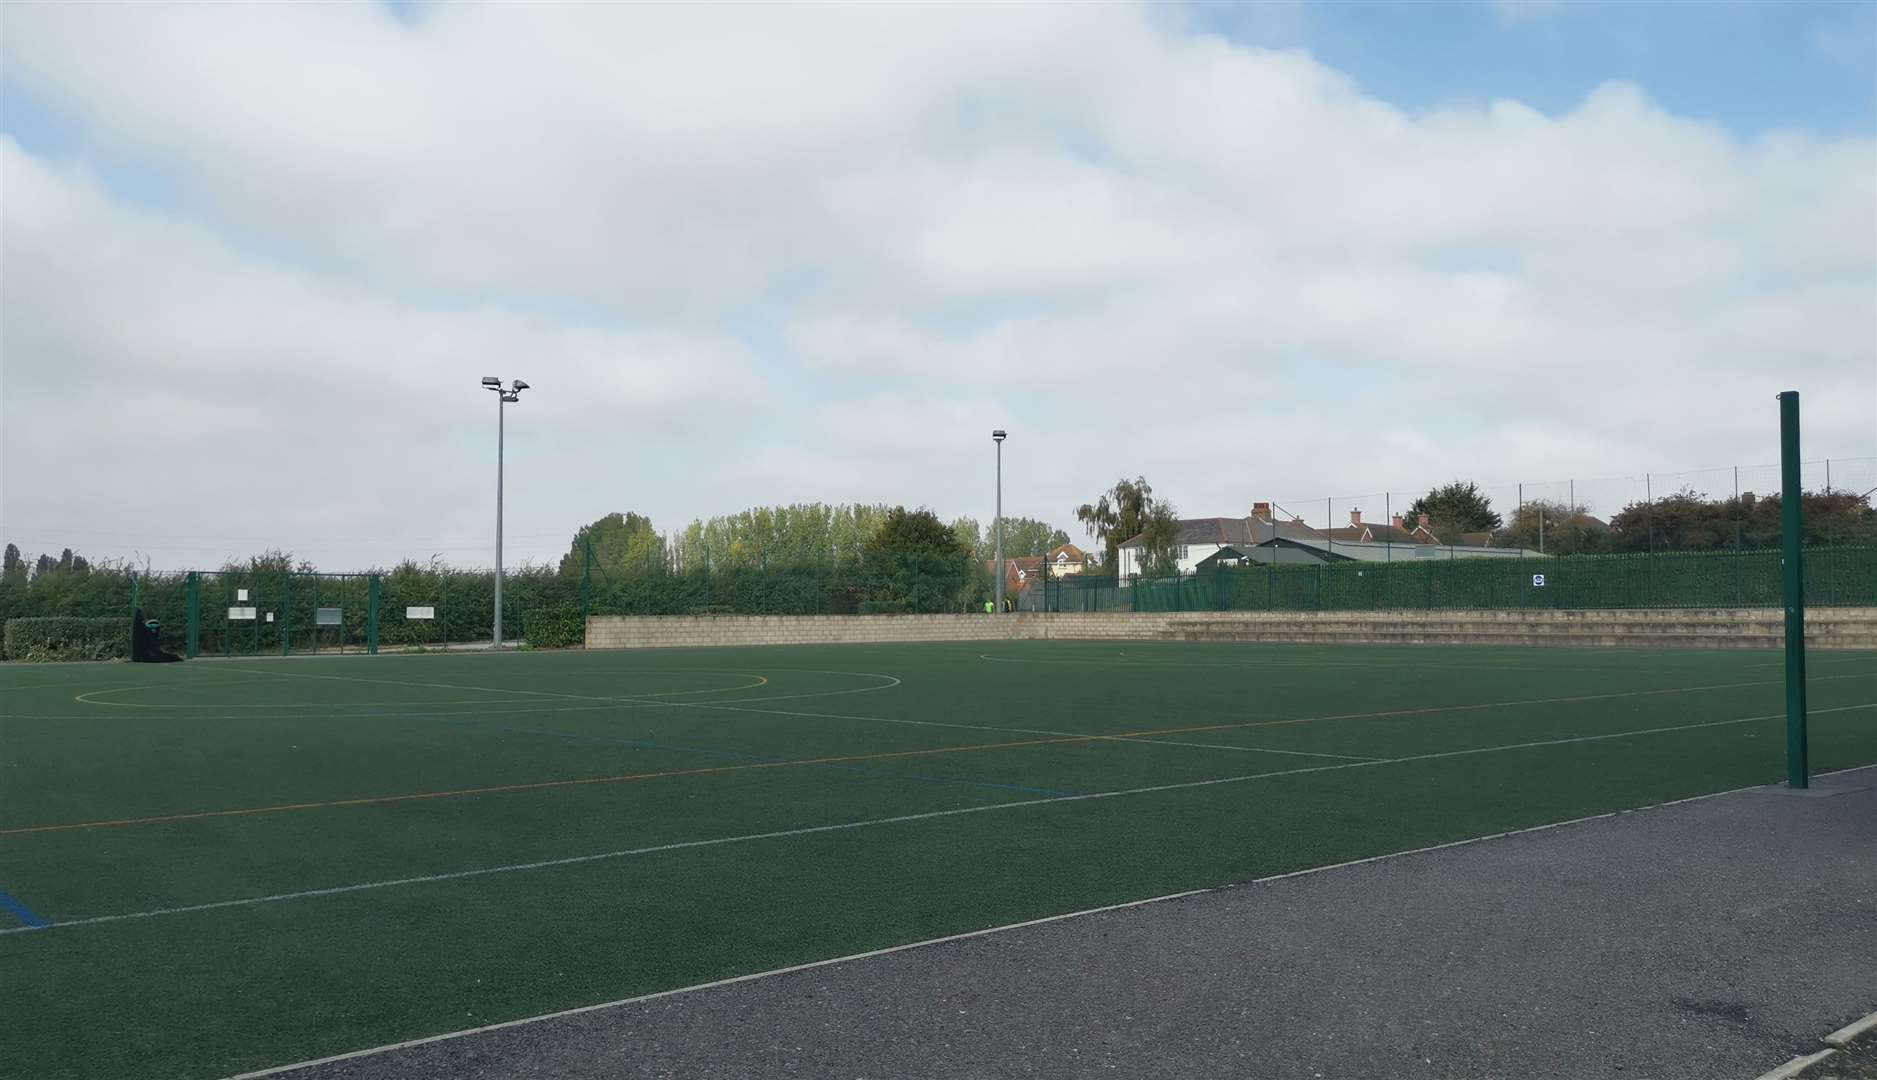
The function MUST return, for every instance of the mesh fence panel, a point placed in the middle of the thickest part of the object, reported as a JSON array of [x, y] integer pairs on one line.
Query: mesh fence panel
[[1834, 577]]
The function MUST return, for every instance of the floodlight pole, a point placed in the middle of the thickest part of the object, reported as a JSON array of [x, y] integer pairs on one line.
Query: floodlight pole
[[1791, 499], [997, 437], [501, 437], [503, 396]]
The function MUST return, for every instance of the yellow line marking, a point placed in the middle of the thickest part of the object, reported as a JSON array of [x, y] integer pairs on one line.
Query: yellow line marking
[[662, 774], [89, 697], [535, 786]]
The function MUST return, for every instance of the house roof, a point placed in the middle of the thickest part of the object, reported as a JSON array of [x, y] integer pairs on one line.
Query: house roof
[[1378, 532], [1224, 530], [1029, 565], [1074, 553]]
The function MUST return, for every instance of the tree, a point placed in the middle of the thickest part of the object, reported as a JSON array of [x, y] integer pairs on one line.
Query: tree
[[14, 569], [1117, 516], [1568, 530], [624, 546], [44, 565], [1687, 520], [1458, 507], [1160, 537], [796, 535], [968, 534], [915, 563], [1026, 536]]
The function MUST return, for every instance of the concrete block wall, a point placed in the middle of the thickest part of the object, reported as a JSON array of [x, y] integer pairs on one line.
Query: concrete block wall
[[1761, 628], [673, 631]]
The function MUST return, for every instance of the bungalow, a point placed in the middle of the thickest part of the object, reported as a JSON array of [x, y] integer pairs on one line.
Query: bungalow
[[1260, 538], [1199, 538]]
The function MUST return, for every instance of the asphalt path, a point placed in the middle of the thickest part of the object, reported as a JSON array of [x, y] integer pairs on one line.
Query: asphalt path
[[1697, 941]]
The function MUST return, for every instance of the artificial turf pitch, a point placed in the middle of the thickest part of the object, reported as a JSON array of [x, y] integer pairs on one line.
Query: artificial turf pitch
[[220, 866]]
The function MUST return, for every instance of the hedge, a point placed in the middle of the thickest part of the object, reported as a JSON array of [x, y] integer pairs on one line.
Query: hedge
[[65, 637]]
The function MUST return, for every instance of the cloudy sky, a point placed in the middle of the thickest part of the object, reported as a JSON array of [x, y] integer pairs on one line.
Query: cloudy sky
[[255, 259]]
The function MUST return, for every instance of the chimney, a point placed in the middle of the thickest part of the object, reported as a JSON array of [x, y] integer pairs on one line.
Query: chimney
[[1261, 511], [1396, 521], [1355, 516], [1423, 520]]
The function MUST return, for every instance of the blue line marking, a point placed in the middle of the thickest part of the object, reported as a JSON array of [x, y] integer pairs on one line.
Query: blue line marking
[[21, 911], [740, 755]]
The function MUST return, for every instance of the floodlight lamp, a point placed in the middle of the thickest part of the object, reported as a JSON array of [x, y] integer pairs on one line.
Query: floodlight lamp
[[519, 385], [998, 435], [490, 380]]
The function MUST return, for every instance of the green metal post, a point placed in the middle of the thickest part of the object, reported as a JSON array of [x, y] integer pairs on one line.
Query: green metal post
[[286, 612], [136, 595], [1798, 771], [1740, 594], [192, 642], [371, 616], [586, 585]]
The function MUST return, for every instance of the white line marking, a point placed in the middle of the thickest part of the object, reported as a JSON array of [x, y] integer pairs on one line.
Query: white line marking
[[1852, 1030], [1249, 749], [506, 708], [1796, 1066], [969, 934], [727, 707], [847, 826]]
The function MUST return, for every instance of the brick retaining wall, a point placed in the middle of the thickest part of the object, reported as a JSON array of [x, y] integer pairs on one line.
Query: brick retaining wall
[[1841, 628]]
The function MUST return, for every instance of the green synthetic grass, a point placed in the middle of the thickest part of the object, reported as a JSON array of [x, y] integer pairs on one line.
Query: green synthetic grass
[[710, 745]]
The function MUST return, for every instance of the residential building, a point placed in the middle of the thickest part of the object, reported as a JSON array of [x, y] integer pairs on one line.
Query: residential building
[[1262, 538], [1066, 559], [1199, 538]]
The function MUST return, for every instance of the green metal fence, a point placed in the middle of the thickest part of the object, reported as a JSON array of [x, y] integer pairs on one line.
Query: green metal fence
[[1834, 576], [272, 612]]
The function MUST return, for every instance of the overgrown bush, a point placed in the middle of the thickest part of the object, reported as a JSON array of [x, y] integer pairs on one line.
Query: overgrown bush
[[64, 637], [557, 627]]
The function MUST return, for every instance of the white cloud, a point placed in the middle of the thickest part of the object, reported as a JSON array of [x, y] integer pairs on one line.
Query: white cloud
[[1143, 250]]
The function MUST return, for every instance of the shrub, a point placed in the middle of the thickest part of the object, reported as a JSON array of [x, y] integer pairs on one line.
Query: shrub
[[63, 637], [558, 627]]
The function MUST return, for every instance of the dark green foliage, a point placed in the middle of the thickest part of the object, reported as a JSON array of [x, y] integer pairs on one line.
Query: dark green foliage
[[559, 626], [63, 637], [1567, 530], [1457, 507], [914, 563], [1689, 521]]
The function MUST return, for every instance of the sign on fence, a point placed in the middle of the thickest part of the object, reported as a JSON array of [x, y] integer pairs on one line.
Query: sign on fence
[[327, 616], [1538, 581], [420, 612], [242, 596], [242, 614]]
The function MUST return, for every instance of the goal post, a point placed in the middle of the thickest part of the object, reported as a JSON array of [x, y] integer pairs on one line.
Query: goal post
[[1792, 542]]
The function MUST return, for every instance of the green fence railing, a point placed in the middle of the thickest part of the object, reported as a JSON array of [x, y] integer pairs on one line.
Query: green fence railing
[[1834, 577], [267, 611]]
